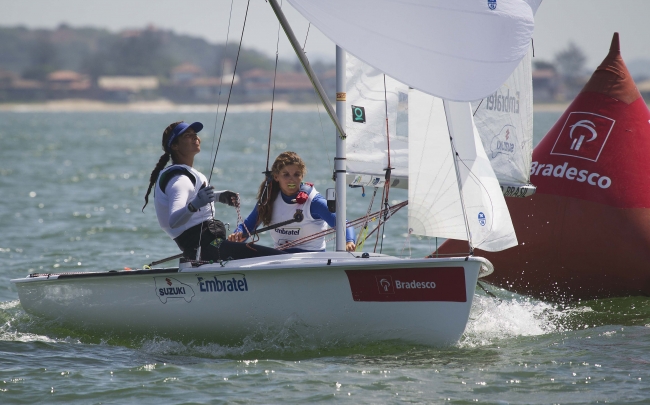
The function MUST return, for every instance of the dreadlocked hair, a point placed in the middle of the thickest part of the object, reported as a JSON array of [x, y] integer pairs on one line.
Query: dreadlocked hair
[[162, 162], [267, 194]]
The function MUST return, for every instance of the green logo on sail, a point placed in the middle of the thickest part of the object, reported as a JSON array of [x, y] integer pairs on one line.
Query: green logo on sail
[[358, 114]]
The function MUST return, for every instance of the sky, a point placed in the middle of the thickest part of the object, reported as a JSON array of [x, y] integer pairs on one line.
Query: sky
[[590, 24]]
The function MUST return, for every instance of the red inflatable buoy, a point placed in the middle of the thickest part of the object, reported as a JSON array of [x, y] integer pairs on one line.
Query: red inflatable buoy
[[585, 234]]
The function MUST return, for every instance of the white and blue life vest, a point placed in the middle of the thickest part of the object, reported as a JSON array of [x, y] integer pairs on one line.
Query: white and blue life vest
[[162, 201], [308, 226]]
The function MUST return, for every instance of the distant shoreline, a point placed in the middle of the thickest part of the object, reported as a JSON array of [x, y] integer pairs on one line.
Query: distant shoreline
[[162, 106], [159, 106]]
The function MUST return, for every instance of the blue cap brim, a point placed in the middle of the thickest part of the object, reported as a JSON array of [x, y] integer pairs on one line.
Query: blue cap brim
[[181, 128]]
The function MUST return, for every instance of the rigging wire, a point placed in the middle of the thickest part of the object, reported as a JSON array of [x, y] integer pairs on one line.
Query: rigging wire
[[456, 158], [266, 193], [224, 115], [223, 61], [223, 122], [329, 159], [387, 177], [216, 117]]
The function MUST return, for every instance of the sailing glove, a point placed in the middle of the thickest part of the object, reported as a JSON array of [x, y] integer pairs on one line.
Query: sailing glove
[[228, 197], [205, 196]]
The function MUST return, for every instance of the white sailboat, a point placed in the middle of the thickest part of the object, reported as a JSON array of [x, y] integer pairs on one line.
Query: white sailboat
[[333, 296]]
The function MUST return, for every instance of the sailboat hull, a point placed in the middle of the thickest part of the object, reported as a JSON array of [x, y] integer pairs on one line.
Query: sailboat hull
[[327, 297]]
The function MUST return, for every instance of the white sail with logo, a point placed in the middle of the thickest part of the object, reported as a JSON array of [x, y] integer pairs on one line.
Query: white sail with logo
[[453, 192], [505, 123], [456, 50]]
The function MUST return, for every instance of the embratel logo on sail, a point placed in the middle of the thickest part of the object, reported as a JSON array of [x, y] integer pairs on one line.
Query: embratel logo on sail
[[583, 136]]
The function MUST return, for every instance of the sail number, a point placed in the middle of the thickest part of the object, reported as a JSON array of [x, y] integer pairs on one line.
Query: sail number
[[519, 192], [505, 146]]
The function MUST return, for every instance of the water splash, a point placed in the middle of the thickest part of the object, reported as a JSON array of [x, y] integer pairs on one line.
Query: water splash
[[493, 319]]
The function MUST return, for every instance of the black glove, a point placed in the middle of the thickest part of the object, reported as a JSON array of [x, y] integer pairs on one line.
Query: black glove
[[228, 197]]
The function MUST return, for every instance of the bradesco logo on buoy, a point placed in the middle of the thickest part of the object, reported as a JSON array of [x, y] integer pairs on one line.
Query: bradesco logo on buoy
[[583, 136], [570, 173]]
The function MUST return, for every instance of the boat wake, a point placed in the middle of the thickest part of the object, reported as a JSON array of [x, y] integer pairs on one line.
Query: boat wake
[[494, 319], [501, 315]]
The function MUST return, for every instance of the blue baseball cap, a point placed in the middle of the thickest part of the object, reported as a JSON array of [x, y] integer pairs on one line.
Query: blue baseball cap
[[181, 128]]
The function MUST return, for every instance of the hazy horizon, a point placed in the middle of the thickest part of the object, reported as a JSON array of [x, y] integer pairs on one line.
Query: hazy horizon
[[590, 24]]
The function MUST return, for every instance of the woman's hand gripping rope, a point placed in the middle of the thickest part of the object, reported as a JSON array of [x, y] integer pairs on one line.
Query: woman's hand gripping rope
[[238, 236]]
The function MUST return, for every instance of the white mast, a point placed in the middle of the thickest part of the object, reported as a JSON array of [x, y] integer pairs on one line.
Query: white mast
[[338, 118], [339, 159]]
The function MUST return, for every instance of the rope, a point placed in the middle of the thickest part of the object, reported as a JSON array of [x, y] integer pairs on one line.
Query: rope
[[356, 223], [365, 225], [387, 177]]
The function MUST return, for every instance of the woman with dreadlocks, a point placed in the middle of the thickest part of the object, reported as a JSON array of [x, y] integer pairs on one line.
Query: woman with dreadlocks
[[184, 200], [277, 201]]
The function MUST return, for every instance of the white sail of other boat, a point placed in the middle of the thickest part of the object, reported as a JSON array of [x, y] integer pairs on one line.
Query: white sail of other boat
[[455, 50], [505, 123]]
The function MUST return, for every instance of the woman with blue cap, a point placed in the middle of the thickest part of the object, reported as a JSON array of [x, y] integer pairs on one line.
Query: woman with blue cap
[[184, 200]]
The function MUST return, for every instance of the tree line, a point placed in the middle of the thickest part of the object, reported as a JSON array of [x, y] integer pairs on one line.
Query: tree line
[[35, 53]]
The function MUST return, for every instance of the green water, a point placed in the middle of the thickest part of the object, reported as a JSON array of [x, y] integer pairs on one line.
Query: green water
[[72, 186]]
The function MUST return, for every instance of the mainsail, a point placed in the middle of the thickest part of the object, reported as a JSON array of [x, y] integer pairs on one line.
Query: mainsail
[[373, 98], [455, 50]]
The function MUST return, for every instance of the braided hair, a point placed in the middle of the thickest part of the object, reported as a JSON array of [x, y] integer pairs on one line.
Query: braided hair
[[268, 193], [162, 162]]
